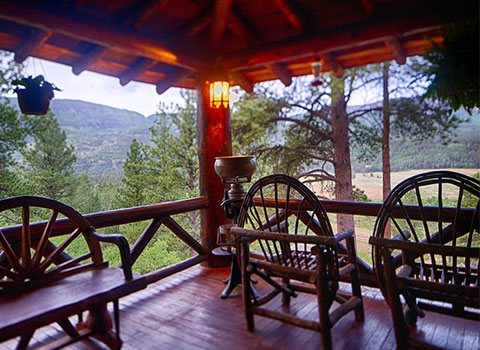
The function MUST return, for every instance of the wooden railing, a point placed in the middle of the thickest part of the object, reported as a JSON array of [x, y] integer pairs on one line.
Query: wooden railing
[[159, 214]]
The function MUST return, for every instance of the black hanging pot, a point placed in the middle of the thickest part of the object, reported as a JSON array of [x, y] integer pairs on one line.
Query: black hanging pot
[[33, 101], [35, 96]]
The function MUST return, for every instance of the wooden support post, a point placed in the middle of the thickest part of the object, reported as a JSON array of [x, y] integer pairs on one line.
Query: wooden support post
[[214, 139]]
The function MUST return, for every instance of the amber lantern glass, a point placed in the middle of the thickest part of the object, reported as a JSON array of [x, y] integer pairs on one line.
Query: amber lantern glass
[[219, 94]]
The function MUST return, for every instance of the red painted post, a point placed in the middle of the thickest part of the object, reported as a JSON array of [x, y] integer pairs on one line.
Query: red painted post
[[214, 139]]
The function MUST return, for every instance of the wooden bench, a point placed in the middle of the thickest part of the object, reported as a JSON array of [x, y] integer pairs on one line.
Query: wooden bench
[[47, 276]]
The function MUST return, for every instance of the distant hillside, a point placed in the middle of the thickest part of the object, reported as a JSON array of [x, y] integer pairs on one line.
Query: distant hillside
[[463, 151], [102, 136]]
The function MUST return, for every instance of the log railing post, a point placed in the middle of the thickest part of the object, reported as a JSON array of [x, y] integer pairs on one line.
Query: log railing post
[[214, 139]]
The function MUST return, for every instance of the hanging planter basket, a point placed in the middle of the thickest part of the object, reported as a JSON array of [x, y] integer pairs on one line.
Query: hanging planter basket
[[35, 96]]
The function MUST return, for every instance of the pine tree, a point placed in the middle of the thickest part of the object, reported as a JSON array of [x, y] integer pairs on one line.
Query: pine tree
[[48, 162], [134, 184]]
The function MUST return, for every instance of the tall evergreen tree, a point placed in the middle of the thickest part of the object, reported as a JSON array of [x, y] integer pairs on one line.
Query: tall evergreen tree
[[48, 162], [132, 192]]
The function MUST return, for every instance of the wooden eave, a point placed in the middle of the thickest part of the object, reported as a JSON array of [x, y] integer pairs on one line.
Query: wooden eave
[[168, 43]]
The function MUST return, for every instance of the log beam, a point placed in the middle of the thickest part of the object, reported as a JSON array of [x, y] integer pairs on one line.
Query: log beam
[[198, 24], [214, 139], [241, 29], [333, 64], [147, 10], [368, 5], [171, 79], [388, 23], [93, 31], [86, 61], [289, 12], [281, 72], [242, 81], [221, 12], [138, 67], [34, 41], [396, 48]]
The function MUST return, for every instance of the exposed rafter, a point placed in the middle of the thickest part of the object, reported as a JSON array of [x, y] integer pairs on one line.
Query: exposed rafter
[[290, 13], [171, 79], [395, 47], [95, 32], [281, 72], [86, 61], [241, 29], [196, 25], [368, 5], [37, 39], [147, 10], [242, 81], [138, 67], [360, 34], [333, 64], [221, 12]]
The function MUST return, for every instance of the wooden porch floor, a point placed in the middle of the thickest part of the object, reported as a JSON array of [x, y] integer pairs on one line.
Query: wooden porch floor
[[184, 312]]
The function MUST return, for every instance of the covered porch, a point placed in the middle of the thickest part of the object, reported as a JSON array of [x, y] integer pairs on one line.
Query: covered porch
[[163, 43], [184, 312]]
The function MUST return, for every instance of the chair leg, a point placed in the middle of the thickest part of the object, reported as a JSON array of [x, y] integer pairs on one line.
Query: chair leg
[[356, 289], [393, 296], [323, 302], [246, 286], [286, 297]]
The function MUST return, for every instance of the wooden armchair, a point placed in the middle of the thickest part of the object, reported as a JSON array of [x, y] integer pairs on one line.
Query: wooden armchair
[[432, 259], [283, 219]]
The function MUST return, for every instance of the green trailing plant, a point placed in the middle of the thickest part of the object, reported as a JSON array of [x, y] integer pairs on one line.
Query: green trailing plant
[[453, 67], [35, 96]]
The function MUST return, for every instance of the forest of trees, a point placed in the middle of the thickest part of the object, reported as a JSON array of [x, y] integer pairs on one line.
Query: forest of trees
[[299, 130]]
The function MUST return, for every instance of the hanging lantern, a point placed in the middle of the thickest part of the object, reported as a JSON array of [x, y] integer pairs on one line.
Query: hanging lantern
[[219, 94], [316, 71]]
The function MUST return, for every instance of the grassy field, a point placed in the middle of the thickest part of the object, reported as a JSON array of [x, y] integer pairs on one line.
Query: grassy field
[[371, 184]]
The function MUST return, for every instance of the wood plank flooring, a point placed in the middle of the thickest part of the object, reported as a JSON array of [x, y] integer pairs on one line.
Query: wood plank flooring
[[184, 312]]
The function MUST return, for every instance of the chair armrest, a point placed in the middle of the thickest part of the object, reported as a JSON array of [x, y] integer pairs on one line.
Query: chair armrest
[[426, 248], [343, 235], [122, 244], [252, 235]]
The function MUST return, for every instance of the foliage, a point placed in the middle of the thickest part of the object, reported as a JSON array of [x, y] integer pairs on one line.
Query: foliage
[[36, 83], [453, 68], [48, 163], [12, 140], [132, 191]]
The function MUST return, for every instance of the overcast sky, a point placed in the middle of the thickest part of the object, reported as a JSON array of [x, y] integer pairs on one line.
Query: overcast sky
[[102, 89]]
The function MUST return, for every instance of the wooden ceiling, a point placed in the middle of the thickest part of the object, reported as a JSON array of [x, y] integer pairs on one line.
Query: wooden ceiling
[[176, 42]]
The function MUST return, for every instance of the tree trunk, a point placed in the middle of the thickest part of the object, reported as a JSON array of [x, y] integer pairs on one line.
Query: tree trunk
[[386, 139], [341, 149]]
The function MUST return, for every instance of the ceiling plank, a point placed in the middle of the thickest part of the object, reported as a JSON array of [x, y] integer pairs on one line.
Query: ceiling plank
[[221, 11], [383, 26], [396, 48], [171, 79], [146, 10], [290, 13], [333, 64], [196, 25], [281, 72], [242, 81], [87, 60], [138, 67], [93, 31], [37, 39], [242, 29], [368, 5]]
